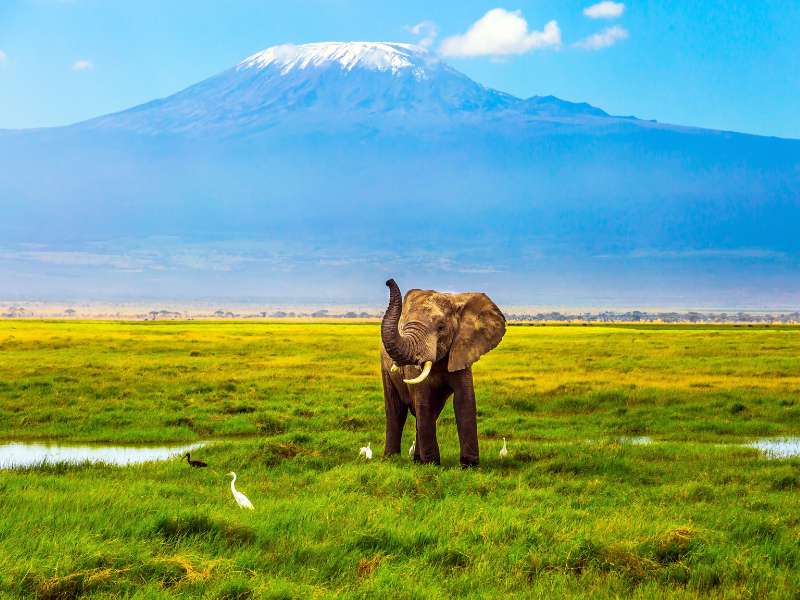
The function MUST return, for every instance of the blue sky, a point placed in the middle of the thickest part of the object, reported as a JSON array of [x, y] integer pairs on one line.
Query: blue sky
[[719, 64]]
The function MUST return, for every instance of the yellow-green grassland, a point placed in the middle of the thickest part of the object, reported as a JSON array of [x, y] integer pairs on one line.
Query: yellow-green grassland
[[576, 510]]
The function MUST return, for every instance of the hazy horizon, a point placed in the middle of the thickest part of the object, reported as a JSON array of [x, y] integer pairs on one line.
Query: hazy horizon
[[311, 173]]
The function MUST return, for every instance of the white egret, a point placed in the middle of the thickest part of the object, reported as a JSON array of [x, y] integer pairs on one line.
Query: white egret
[[366, 451], [240, 498], [412, 449], [504, 449]]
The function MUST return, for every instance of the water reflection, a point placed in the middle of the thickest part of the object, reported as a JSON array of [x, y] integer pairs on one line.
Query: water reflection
[[16, 455], [778, 448], [636, 440]]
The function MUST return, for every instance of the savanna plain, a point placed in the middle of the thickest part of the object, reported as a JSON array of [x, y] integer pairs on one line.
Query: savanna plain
[[576, 510]]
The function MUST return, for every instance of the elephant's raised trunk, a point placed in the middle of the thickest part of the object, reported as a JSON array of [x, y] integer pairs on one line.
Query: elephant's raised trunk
[[398, 347]]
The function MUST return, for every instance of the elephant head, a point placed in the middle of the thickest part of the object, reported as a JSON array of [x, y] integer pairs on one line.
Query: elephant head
[[428, 326]]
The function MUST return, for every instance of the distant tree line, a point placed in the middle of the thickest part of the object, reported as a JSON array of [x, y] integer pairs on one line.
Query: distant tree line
[[633, 316], [636, 316]]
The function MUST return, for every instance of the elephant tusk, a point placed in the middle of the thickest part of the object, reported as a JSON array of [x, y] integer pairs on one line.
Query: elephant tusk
[[422, 376], [394, 368]]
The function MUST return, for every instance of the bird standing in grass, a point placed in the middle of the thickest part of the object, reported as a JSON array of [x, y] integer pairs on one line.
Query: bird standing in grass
[[195, 463], [504, 449], [240, 498], [412, 449], [366, 451]]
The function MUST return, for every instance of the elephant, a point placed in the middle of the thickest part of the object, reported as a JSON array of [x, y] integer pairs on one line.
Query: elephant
[[430, 341]]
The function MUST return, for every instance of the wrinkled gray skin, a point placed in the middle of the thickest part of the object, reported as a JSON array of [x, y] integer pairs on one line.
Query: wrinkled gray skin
[[452, 331]]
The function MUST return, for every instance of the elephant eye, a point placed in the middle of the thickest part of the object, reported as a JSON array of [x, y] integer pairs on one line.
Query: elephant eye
[[440, 327]]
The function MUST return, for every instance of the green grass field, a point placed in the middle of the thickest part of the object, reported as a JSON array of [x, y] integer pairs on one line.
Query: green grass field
[[572, 513]]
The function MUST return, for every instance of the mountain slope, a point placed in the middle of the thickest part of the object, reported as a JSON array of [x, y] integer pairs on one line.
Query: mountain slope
[[338, 163], [322, 84]]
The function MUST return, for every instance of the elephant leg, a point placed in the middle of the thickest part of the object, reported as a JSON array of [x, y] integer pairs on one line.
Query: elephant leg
[[466, 417], [434, 409], [396, 414], [427, 446]]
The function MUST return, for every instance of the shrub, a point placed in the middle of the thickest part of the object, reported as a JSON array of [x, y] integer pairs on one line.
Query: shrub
[[788, 482], [270, 426]]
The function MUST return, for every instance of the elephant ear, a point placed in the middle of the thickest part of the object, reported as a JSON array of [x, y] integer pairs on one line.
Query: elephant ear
[[481, 327]]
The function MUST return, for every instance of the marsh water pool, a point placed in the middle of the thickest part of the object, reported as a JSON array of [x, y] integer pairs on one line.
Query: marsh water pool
[[15, 455], [788, 447], [778, 448], [770, 447]]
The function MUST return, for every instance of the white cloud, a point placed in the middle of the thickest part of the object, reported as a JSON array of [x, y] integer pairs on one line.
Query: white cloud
[[427, 30], [604, 10], [3, 57], [608, 37], [82, 65], [500, 32]]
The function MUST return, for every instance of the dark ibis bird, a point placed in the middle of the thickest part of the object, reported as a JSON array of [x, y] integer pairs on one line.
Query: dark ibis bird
[[195, 463]]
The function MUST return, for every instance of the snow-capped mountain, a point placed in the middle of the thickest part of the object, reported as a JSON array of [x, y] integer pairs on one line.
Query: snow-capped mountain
[[333, 84], [373, 56], [320, 169]]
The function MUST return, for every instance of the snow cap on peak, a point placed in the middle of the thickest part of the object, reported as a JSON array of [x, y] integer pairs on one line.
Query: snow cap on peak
[[377, 56]]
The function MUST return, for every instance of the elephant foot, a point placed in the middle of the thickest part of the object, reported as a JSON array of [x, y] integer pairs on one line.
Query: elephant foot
[[469, 464], [429, 461]]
